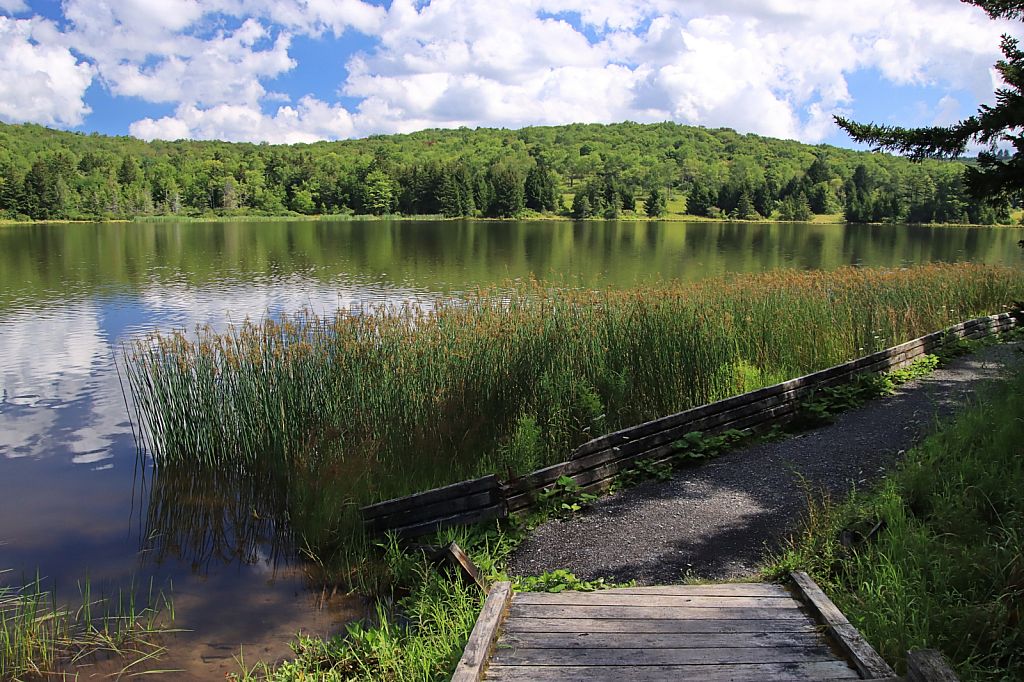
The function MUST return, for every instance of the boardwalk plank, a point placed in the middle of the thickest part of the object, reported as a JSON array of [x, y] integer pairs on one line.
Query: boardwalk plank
[[474, 657], [721, 590], [658, 657], [633, 640], [603, 598], [634, 625], [802, 672], [653, 612]]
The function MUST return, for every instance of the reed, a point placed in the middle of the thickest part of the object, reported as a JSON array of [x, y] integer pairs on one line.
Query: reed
[[380, 401], [40, 637]]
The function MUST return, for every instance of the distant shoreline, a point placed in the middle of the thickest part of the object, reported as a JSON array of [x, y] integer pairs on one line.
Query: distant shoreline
[[825, 219]]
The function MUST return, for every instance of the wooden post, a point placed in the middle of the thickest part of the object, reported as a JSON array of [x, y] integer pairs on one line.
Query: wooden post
[[478, 648]]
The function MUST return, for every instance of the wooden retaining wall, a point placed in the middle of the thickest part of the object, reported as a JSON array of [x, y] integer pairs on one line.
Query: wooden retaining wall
[[594, 465], [459, 504]]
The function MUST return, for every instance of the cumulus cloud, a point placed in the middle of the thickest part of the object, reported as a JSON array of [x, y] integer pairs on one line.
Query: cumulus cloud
[[776, 67], [772, 67], [310, 121], [40, 79]]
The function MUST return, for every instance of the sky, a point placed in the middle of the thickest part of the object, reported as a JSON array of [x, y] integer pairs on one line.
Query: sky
[[286, 71]]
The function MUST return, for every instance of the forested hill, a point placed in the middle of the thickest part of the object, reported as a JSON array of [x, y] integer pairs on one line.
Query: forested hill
[[610, 170]]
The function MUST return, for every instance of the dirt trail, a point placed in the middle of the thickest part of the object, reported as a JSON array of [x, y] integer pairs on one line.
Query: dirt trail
[[716, 520]]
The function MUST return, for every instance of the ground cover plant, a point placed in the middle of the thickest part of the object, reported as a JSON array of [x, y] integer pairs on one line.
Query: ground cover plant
[[378, 402], [946, 572]]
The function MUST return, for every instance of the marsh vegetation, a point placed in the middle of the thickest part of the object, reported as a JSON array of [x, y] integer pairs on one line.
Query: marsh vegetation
[[381, 401]]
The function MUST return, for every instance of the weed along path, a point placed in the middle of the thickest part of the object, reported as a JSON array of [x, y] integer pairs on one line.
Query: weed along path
[[717, 520]]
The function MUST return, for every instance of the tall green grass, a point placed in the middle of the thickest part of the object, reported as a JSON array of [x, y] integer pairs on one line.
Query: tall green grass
[[947, 573], [378, 402], [39, 637]]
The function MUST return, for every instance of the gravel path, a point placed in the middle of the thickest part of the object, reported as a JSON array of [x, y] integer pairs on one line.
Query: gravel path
[[716, 520]]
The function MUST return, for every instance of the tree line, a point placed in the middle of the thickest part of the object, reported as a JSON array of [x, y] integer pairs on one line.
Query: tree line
[[579, 171]]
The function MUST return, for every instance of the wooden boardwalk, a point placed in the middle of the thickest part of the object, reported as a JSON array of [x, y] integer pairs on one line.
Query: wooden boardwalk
[[741, 632]]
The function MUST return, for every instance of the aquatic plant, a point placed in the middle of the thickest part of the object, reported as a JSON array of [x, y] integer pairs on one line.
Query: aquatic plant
[[38, 636], [380, 401]]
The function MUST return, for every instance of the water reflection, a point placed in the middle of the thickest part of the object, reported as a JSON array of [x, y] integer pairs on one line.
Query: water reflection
[[210, 519]]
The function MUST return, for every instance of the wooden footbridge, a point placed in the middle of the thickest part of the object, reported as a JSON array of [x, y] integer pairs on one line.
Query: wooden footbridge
[[740, 632]]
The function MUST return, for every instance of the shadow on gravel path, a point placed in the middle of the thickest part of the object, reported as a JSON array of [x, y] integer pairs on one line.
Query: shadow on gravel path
[[716, 520]]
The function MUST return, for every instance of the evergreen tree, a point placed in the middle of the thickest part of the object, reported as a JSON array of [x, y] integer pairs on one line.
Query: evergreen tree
[[580, 206], [627, 199], [654, 206], [997, 177], [540, 189], [699, 200], [128, 174], [745, 207], [507, 198]]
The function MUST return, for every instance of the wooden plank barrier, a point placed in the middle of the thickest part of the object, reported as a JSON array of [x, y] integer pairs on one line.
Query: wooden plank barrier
[[459, 504], [594, 465]]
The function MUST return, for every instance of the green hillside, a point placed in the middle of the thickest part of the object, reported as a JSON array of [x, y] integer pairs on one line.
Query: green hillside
[[575, 170]]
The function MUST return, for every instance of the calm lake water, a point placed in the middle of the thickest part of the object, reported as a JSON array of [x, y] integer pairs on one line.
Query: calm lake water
[[72, 496]]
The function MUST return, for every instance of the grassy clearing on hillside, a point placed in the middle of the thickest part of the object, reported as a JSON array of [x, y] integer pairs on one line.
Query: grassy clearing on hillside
[[948, 570]]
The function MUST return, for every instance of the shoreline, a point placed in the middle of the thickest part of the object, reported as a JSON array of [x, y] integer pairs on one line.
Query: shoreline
[[825, 219]]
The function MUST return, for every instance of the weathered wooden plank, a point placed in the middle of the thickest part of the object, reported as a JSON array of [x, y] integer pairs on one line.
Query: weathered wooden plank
[[495, 511], [928, 665], [475, 656], [827, 612], [717, 589], [430, 496], [455, 557], [632, 640], [659, 626], [604, 598], [776, 672], [652, 612], [864, 657], [431, 511], [631, 657]]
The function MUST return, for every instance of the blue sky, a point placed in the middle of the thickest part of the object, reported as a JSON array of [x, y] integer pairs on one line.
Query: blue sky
[[303, 70]]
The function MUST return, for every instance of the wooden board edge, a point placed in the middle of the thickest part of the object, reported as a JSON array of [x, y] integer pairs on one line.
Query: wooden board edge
[[469, 487], [478, 649], [864, 657], [928, 665]]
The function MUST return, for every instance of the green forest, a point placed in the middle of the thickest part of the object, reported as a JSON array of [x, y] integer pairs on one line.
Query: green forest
[[577, 171]]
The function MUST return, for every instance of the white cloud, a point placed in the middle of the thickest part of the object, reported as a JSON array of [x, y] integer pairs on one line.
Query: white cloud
[[13, 6], [776, 67], [772, 67], [948, 113], [309, 121], [40, 80], [221, 70]]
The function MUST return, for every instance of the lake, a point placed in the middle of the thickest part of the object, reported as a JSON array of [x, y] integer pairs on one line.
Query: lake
[[74, 498]]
